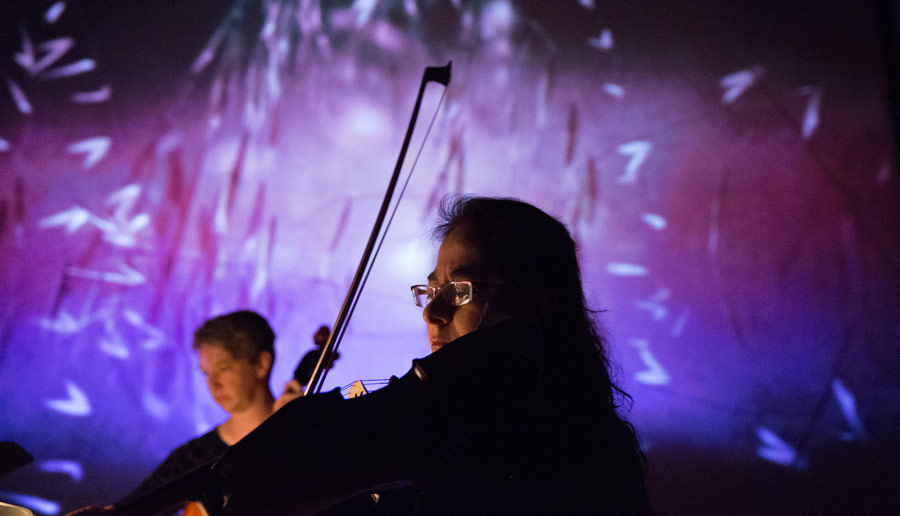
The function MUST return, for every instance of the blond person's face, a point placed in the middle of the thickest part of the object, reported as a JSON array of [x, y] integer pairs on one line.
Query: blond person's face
[[232, 381]]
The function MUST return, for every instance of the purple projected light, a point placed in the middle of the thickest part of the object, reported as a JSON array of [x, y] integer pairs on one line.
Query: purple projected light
[[734, 199]]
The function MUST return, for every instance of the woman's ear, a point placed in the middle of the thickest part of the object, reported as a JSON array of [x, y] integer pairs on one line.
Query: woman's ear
[[491, 315]]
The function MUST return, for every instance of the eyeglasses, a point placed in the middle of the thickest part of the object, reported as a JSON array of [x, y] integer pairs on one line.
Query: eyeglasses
[[455, 293]]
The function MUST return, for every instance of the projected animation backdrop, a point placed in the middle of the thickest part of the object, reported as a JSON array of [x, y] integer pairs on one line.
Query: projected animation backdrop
[[728, 173]]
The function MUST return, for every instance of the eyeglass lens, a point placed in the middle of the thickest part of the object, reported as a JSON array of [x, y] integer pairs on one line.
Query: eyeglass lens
[[456, 293]]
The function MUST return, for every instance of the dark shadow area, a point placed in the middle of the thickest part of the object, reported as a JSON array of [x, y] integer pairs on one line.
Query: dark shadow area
[[846, 480]]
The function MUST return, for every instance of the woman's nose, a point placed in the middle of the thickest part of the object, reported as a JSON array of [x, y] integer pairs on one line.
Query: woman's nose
[[437, 311]]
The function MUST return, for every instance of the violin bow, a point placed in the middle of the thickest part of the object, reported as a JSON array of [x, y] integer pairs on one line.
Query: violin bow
[[432, 74]]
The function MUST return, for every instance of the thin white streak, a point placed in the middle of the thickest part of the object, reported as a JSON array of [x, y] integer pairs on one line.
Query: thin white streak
[[661, 295], [638, 150], [54, 50], [655, 374], [712, 243], [133, 318], [657, 310], [273, 85], [155, 406], [114, 347], [680, 323], [92, 97], [220, 218], [543, 93], [73, 219], [156, 338], [153, 342], [209, 51], [655, 305], [604, 41], [261, 276], [166, 144], [64, 323], [41, 505], [268, 30], [19, 96], [775, 449], [75, 405], [364, 10], [123, 199], [847, 402], [25, 58], [811, 117], [65, 467], [738, 82], [614, 90], [124, 276], [626, 269], [54, 12], [121, 230], [78, 67], [657, 222], [94, 149]]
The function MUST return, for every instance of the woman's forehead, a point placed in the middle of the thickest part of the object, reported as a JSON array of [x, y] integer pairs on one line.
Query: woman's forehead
[[459, 259]]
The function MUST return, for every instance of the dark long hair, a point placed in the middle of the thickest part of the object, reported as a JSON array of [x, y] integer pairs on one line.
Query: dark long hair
[[536, 258]]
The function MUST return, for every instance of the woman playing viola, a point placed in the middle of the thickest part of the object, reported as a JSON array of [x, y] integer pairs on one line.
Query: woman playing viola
[[513, 412]]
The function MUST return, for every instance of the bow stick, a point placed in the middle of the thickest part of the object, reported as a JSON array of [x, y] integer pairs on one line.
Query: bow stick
[[432, 74], [187, 486]]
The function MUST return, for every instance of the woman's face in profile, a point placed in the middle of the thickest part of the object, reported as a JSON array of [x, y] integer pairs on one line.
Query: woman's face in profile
[[459, 261]]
